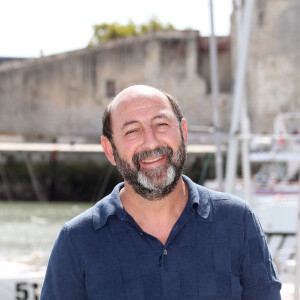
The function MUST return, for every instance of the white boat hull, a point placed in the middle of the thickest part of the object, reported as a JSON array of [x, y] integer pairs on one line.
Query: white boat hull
[[20, 282]]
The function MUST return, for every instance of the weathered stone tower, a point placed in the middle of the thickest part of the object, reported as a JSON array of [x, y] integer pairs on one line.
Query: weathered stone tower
[[274, 62]]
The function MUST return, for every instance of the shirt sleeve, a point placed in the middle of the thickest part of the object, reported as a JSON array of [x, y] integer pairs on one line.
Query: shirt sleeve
[[64, 277], [259, 276]]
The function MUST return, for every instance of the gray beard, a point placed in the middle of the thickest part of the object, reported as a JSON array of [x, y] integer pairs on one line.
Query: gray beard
[[144, 181], [153, 184]]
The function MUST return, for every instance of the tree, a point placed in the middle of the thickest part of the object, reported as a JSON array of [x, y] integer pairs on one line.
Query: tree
[[106, 32]]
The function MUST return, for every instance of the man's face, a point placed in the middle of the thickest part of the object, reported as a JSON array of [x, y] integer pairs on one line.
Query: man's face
[[148, 142], [153, 183]]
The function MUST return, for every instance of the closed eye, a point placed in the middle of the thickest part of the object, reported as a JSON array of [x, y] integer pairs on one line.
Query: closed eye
[[131, 131], [161, 127]]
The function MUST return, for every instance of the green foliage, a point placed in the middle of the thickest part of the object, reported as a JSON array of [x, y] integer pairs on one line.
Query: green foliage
[[106, 32]]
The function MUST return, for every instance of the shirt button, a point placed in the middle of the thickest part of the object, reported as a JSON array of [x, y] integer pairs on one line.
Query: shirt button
[[165, 252], [141, 233]]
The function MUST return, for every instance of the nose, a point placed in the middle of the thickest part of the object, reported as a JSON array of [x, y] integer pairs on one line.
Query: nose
[[150, 140]]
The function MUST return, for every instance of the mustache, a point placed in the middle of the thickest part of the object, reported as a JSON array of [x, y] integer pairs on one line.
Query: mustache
[[150, 153]]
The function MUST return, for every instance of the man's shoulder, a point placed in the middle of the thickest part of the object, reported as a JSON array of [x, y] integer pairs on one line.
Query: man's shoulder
[[82, 220], [222, 200], [217, 196], [212, 203], [93, 218], [225, 206]]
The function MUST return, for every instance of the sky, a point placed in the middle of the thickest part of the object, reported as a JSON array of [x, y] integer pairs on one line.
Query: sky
[[31, 27]]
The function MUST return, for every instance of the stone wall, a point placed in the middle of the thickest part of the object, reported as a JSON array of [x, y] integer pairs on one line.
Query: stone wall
[[64, 95], [274, 62]]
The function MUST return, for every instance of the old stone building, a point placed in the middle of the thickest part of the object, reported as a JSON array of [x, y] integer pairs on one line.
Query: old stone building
[[273, 71], [63, 95]]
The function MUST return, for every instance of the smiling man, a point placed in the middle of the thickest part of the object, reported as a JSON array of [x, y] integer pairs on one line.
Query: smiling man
[[158, 235]]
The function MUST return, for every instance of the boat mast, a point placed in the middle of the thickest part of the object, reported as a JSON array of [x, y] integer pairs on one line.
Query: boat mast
[[214, 79], [239, 92]]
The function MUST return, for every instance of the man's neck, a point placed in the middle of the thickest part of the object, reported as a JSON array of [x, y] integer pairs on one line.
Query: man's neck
[[156, 217]]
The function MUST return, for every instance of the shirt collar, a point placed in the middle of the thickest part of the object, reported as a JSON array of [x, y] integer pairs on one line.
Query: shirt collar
[[111, 204], [198, 197], [108, 206]]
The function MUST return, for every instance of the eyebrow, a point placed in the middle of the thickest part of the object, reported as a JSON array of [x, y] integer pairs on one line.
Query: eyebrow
[[162, 115], [159, 116], [129, 123]]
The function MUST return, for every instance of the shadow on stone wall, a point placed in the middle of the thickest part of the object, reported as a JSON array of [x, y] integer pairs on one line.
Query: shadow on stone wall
[[85, 177], [62, 181], [77, 180]]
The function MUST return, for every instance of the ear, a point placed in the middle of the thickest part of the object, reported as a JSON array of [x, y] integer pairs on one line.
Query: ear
[[108, 149], [184, 129]]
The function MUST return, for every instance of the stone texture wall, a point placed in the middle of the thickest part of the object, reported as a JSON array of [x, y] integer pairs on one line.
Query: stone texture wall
[[274, 62], [64, 94]]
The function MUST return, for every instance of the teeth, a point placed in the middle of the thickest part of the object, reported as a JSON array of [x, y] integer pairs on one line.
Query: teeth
[[149, 160]]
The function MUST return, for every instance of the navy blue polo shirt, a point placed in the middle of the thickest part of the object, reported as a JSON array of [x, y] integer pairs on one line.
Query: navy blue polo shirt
[[216, 250]]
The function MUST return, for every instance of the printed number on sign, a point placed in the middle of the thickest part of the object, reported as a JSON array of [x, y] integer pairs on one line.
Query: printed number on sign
[[26, 291]]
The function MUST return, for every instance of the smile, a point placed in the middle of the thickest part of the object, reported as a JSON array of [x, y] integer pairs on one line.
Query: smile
[[151, 160]]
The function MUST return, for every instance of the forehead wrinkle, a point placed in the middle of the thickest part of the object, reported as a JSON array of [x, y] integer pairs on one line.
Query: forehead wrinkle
[[134, 93]]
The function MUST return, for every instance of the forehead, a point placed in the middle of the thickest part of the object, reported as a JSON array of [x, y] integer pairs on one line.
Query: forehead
[[140, 105]]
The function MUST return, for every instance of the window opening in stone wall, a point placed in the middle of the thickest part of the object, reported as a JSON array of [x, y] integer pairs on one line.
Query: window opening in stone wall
[[261, 12], [110, 88]]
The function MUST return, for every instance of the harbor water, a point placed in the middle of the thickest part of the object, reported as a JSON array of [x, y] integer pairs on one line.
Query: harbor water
[[28, 229]]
